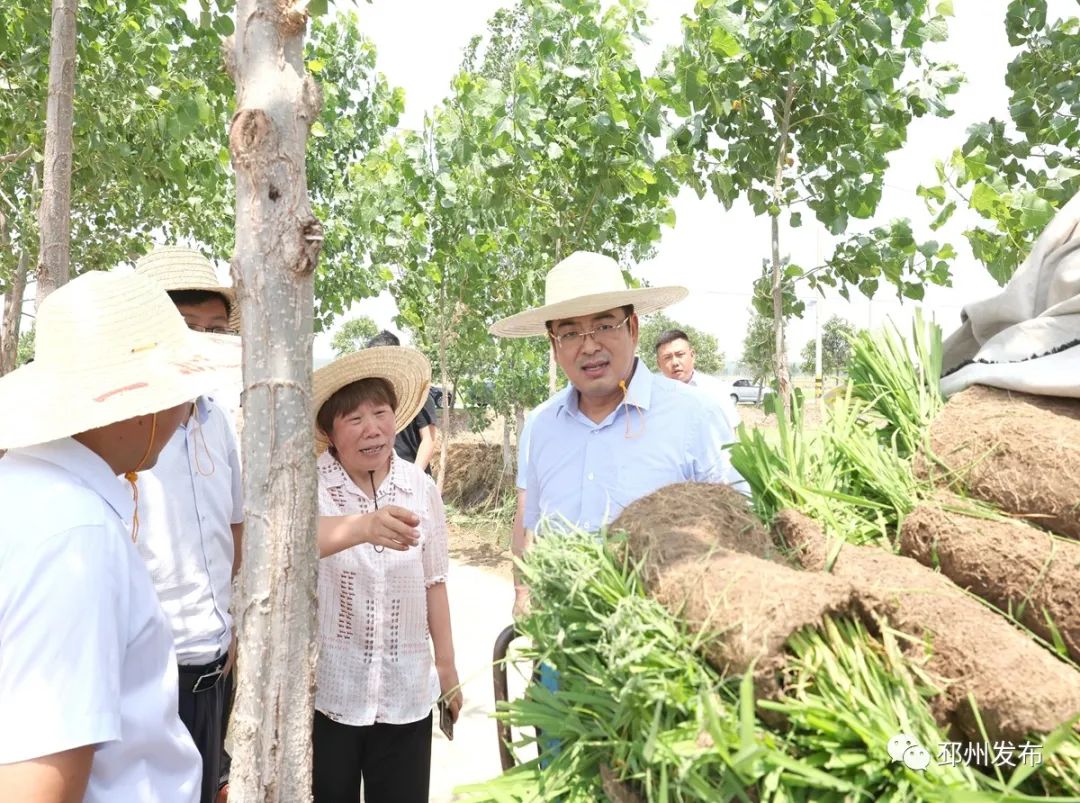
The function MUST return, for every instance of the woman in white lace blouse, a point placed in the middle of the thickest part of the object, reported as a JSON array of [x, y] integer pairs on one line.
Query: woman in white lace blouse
[[383, 609]]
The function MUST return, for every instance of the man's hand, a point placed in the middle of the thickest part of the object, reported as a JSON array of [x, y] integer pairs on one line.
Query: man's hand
[[521, 602], [391, 526], [230, 662]]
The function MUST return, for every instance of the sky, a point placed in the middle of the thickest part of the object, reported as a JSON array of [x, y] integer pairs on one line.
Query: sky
[[717, 253]]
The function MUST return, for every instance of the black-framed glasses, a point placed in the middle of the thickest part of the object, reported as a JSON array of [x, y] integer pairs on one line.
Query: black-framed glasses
[[604, 333], [215, 330]]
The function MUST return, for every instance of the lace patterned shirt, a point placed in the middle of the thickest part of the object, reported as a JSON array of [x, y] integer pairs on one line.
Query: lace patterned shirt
[[375, 657]]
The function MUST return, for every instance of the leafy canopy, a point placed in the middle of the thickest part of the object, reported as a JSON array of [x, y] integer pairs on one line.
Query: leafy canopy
[[799, 103], [353, 335], [836, 335], [1016, 176]]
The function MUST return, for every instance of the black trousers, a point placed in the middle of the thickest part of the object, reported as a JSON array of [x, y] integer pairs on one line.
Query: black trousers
[[203, 712], [392, 761]]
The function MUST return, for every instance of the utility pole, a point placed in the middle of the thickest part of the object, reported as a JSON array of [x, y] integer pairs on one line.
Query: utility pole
[[819, 382]]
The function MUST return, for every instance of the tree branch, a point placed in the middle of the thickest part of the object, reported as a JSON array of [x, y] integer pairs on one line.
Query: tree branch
[[15, 156]]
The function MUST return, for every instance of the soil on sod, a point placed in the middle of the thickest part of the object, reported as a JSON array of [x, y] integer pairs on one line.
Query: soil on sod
[[705, 513], [1020, 569], [705, 558], [1018, 452], [1020, 688], [746, 608]]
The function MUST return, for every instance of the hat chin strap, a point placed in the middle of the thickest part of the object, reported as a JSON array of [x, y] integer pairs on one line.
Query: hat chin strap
[[133, 476]]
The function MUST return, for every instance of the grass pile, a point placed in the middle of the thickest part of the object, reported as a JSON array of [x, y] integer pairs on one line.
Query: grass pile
[[474, 481], [640, 716]]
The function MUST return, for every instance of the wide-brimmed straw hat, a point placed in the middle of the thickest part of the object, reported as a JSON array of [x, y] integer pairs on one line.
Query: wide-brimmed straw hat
[[583, 284], [109, 347], [406, 369], [175, 267]]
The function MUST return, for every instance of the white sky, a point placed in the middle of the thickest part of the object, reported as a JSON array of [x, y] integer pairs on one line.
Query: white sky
[[717, 253]]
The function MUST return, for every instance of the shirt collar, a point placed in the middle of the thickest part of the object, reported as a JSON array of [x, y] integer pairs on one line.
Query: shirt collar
[[74, 458], [638, 393], [202, 410], [334, 475]]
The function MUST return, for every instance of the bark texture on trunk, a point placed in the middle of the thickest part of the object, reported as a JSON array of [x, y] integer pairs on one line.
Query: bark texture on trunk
[[13, 303], [780, 366], [54, 215], [444, 441], [783, 381], [277, 247]]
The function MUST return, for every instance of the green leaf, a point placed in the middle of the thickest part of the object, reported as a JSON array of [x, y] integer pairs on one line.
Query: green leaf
[[944, 8], [318, 8], [796, 220], [316, 66], [724, 43], [984, 199], [828, 13], [1035, 212], [223, 25], [318, 130]]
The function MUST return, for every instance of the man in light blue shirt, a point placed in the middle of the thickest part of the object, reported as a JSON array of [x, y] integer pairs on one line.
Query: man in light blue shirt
[[617, 432], [675, 357]]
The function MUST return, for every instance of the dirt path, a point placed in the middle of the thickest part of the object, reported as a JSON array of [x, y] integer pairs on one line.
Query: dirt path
[[481, 547], [480, 603]]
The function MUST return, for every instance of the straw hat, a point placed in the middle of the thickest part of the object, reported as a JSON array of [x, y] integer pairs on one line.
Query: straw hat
[[406, 369], [175, 267], [583, 284], [109, 347]]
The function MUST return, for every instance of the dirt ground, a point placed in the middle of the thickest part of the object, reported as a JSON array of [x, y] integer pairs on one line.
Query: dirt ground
[[480, 542]]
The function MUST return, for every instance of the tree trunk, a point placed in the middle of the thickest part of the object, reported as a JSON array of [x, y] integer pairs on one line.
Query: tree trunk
[[507, 451], [13, 302], [819, 377], [553, 369], [54, 215], [780, 366], [444, 336], [277, 247]]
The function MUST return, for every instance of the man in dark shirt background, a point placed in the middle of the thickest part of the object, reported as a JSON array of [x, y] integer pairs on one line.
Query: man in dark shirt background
[[415, 443]]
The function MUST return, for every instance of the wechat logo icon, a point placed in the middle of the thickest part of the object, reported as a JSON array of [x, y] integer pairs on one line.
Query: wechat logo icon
[[904, 748]]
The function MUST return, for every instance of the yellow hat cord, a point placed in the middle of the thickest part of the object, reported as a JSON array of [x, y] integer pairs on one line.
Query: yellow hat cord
[[133, 476], [641, 416]]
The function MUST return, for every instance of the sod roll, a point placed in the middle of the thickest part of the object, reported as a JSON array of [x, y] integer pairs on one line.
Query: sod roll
[[1015, 567], [705, 557], [1020, 688], [1015, 451]]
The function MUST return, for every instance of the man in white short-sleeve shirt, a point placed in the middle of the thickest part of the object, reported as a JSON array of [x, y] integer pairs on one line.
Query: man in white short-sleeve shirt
[[675, 356], [88, 680], [193, 521]]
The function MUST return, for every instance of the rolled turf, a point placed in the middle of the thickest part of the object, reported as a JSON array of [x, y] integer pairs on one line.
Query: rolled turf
[[1017, 452], [1020, 689], [1018, 568]]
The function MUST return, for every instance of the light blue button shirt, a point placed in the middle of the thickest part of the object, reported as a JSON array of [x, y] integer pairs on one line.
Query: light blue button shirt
[[582, 474], [525, 436]]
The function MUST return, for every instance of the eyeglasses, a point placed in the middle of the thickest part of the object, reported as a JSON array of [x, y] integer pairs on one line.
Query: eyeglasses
[[604, 333], [216, 330]]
